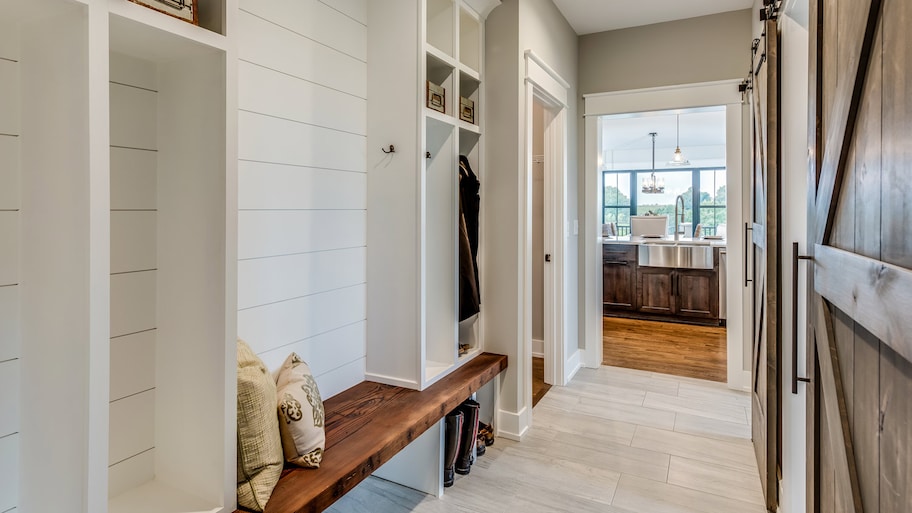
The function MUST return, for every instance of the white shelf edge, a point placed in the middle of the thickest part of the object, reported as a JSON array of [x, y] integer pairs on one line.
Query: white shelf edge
[[469, 127], [446, 119], [440, 55], [167, 24], [471, 72]]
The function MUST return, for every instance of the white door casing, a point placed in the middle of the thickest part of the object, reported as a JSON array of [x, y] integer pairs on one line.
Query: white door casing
[[683, 96], [544, 85]]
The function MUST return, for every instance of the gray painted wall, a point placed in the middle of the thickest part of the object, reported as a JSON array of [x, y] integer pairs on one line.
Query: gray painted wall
[[704, 49], [512, 28], [544, 30]]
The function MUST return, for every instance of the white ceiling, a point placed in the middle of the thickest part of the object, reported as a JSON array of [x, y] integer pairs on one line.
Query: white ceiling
[[626, 143], [588, 16]]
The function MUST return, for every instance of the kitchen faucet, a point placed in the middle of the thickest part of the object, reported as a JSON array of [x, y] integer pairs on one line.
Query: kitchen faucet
[[680, 199]]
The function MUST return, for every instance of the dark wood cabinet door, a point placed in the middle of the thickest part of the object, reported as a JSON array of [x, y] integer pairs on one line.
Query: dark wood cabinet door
[[619, 284], [655, 288], [697, 293]]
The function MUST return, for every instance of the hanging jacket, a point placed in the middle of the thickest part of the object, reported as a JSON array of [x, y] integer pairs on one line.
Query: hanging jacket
[[470, 204]]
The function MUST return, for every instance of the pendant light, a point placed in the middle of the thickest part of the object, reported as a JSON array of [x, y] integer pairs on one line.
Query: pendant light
[[651, 185], [678, 158]]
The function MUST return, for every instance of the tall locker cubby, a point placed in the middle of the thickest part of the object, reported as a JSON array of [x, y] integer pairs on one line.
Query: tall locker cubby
[[414, 334], [118, 297]]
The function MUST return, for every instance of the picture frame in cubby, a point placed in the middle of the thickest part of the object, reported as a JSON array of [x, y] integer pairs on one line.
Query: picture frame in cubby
[[186, 10]]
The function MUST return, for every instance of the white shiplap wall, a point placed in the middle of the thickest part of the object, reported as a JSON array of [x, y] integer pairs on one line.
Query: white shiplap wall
[[134, 146], [9, 271], [302, 85]]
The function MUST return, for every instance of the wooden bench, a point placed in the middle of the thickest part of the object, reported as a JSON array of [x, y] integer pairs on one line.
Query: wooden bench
[[367, 425]]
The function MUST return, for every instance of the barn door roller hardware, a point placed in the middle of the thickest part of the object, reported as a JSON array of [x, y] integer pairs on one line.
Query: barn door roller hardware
[[770, 10]]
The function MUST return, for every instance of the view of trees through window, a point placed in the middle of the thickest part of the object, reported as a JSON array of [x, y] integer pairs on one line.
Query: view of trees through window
[[620, 200]]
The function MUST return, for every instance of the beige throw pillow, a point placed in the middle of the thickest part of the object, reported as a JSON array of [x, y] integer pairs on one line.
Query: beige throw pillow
[[259, 446], [300, 414]]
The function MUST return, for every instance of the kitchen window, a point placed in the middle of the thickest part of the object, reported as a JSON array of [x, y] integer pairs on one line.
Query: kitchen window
[[701, 186]]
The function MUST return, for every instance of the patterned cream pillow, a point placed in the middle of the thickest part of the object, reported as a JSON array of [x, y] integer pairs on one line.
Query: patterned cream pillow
[[259, 446], [300, 414]]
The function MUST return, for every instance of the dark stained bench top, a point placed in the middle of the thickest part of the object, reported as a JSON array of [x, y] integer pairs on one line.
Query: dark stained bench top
[[367, 425]]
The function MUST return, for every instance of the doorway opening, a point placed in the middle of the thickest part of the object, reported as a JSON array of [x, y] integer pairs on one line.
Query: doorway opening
[[664, 219], [540, 386]]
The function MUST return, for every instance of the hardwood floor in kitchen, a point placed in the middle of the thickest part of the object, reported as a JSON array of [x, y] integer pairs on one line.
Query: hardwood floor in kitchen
[[670, 348]]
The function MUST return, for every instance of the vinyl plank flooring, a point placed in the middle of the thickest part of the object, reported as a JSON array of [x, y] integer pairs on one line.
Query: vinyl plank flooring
[[578, 456], [711, 428], [715, 479], [628, 378], [592, 484], [720, 393], [647, 496], [736, 454], [655, 417], [700, 407], [577, 424]]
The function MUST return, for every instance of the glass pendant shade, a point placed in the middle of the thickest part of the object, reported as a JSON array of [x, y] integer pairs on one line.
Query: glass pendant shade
[[678, 158]]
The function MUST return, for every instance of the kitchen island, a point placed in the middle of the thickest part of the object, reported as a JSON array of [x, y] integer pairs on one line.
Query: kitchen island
[[661, 279]]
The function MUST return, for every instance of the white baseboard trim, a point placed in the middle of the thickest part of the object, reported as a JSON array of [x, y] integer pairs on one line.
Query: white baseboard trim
[[739, 380], [513, 426], [588, 359], [538, 347], [537, 355], [574, 364]]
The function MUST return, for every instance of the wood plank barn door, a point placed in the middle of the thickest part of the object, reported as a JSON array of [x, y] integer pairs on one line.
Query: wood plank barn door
[[860, 237], [765, 214]]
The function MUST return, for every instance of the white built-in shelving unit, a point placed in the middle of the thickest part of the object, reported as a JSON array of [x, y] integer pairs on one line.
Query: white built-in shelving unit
[[123, 153], [412, 304]]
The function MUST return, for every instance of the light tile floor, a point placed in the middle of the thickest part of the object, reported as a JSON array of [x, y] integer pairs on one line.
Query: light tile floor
[[613, 441]]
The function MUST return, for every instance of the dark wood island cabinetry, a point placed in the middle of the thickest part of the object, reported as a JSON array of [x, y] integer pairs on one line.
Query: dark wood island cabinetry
[[619, 263], [658, 293]]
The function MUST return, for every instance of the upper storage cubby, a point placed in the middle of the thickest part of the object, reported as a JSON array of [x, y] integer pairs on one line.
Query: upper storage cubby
[[170, 15], [469, 40], [441, 74], [156, 28], [440, 26]]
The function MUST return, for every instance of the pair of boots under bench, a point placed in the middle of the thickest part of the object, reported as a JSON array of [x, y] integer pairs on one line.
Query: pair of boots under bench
[[461, 440]]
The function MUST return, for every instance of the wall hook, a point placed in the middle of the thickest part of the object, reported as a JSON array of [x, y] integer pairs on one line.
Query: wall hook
[[427, 154], [392, 149]]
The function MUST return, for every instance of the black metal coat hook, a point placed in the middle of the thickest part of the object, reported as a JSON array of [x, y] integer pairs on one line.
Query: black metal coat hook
[[392, 149]]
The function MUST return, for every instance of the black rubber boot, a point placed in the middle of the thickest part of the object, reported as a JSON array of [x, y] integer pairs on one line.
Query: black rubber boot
[[451, 438], [469, 435]]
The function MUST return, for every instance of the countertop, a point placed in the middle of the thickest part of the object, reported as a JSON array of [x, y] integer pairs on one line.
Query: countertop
[[636, 240]]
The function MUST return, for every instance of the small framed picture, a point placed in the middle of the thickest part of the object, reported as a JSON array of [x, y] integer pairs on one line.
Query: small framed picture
[[436, 97], [467, 110], [183, 9]]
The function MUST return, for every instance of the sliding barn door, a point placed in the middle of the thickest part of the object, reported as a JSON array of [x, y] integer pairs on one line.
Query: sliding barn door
[[765, 403], [860, 231]]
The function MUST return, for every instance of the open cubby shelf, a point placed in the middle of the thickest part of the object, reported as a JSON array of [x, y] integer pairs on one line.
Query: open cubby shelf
[[449, 55], [124, 148]]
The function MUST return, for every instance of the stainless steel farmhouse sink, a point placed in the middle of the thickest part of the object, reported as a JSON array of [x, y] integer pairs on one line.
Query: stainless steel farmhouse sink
[[679, 256]]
